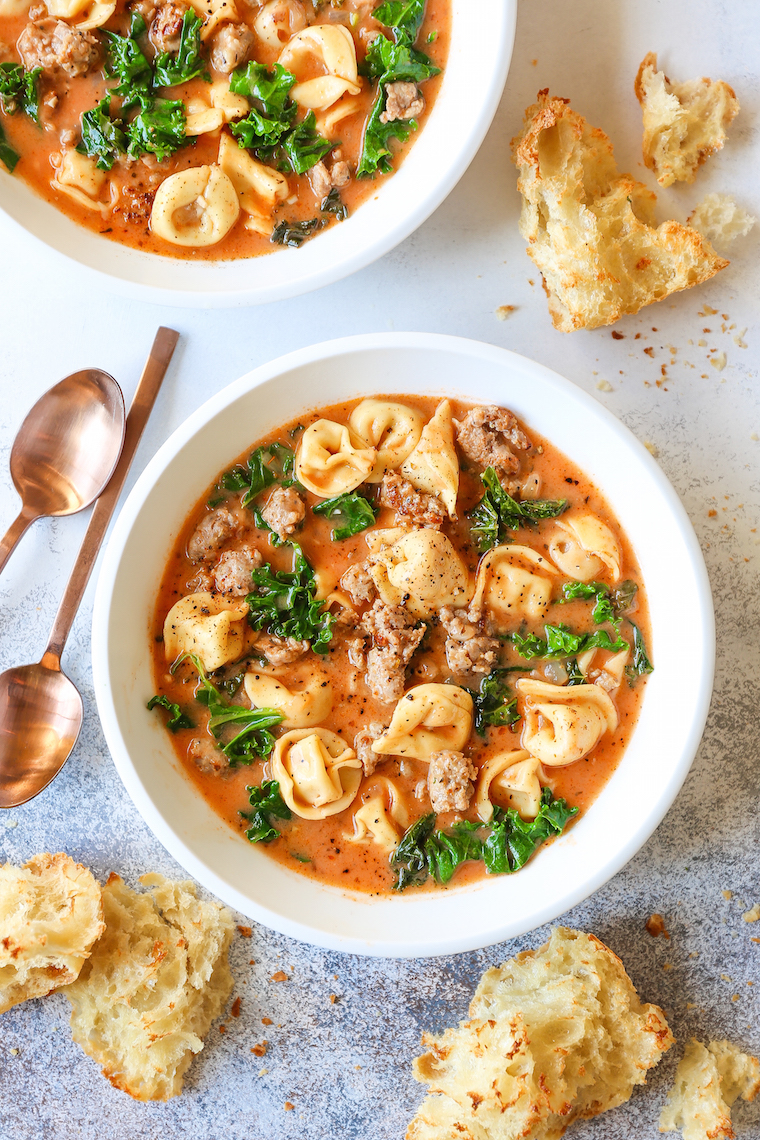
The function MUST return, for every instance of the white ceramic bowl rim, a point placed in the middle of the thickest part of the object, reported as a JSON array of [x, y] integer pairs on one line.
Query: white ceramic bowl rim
[[638, 794], [474, 78]]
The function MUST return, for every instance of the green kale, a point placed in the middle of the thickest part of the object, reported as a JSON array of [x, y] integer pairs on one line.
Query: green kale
[[284, 603], [295, 234], [403, 17], [641, 665], [609, 605], [103, 138], [178, 719], [303, 146], [512, 839], [409, 859], [574, 674], [266, 802], [127, 63], [497, 512], [354, 512], [265, 467], [19, 90], [623, 597], [494, 704], [7, 154], [388, 62], [558, 641], [445, 851], [334, 204], [272, 110], [188, 63], [158, 128]]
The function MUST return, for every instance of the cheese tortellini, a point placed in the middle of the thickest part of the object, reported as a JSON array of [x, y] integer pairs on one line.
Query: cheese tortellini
[[394, 430], [382, 818], [331, 47], [215, 13], [419, 569], [433, 465], [331, 459], [310, 705], [318, 774], [78, 177], [213, 627], [197, 207], [585, 547], [278, 20], [428, 718], [564, 723], [513, 582], [84, 14], [259, 188], [510, 779]]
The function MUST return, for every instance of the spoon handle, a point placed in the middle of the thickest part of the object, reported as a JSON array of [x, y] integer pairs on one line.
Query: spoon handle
[[13, 534], [142, 405]]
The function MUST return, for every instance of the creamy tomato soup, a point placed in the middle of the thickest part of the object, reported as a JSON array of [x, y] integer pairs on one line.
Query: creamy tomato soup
[[401, 642], [214, 129]]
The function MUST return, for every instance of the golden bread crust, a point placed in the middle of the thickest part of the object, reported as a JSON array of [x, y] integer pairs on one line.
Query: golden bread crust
[[708, 1080]]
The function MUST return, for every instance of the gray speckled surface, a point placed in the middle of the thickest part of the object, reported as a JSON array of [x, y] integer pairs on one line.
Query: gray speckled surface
[[346, 1066]]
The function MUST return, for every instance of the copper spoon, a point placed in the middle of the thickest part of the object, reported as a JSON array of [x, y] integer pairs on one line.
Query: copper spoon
[[66, 450], [40, 708]]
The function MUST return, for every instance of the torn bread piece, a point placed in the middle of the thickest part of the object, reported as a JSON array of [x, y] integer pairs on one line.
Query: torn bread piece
[[554, 1034], [684, 123], [50, 915], [708, 1081], [156, 981], [718, 219], [589, 227]]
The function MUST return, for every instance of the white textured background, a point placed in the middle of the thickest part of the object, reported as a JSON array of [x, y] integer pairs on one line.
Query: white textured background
[[346, 1066]]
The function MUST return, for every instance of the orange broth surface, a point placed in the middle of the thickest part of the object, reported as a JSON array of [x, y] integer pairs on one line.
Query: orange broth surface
[[323, 849], [122, 209]]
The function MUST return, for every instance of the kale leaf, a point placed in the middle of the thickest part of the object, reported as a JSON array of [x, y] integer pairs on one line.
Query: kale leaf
[[303, 146], [272, 110], [494, 704], [266, 802], [573, 670], [7, 154], [158, 128], [295, 234], [265, 467], [284, 603], [641, 665], [403, 17], [127, 63], [188, 63], [389, 62], [354, 512], [19, 91], [334, 204], [178, 719], [505, 844], [559, 641], [103, 138], [623, 597], [497, 512], [609, 605]]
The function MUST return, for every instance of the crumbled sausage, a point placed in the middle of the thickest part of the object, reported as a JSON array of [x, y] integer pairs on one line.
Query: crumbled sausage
[[208, 758], [450, 776], [211, 534], [356, 648], [135, 206], [340, 175], [467, 649], [363, 746], [324, 179], [403, 101], [394, 642], [166, 29], [284, 511], [280, 650], [230, 47], [232, 573], [487, 436], [358, 584], [53, 46], [411, 506]]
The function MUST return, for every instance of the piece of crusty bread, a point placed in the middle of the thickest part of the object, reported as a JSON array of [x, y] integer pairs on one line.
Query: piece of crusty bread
[[684, 123], [554, 1034], [708, 1081], [589, 226], [50, 915], [720, 220], [156, 981]]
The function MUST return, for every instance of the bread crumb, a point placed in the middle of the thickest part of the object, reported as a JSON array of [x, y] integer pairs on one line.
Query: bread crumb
[[333, 998], [754, 435], [235, 1010], [735, 997], [726, 977], [727, 894], [604, 386], [288, 1106], [691, 1005], [260, 1049], [719, 361], [14, 1052], [649, 352], [263, 1072], [708, 311], [655, 925], [718, 219], [245, 931], [694, 953], [266, 1021], [651, 448], [739, 339], [14, 822], [279, 976], [753, 914], [617, 335], [504, 311]]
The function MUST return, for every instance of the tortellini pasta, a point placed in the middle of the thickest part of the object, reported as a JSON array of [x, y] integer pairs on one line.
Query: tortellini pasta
[[564, 723], [84, 14], [308, 706], [258, 187], [585, 547], [278, 20], [331, 459], [419, 569], [428, 718], [211, 626], [433, 465], [330, 46], [79, 178], [215, 13], [14, 7], [394, 430], [329, 120], [382, 818], [195, 207], [318, 774], [513, 582], [511, 778]]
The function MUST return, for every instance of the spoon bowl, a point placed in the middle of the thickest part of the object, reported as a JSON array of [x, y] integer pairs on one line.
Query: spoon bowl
[[40, 718]]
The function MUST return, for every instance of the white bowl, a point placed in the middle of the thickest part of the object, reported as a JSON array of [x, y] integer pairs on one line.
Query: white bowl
[[481, 50], [634, 800]]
